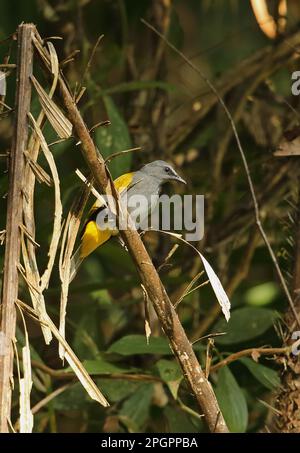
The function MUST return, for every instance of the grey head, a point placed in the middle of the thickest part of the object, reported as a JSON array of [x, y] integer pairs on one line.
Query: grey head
[[162, 171]]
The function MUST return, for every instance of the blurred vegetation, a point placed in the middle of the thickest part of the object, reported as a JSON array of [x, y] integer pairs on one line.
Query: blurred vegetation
[[149, 97]]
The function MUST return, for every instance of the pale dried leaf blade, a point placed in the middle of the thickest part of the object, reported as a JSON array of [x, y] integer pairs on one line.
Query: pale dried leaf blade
[[148, 330], [93, 190], [40, 174], [54, 61], [288, 148], [58, 120], [214, 280], [44, 281], [77, 367], [67, 246], [31, 278], [2, 236], [64, 286], [39, 48], [218, 288], [147, 314], [26, 417], [70, 232]]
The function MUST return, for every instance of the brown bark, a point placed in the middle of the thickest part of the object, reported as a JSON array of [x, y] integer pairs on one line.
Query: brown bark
[[14, 219]]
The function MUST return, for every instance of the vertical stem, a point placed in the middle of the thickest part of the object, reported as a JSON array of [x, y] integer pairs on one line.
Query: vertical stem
[[296, 270], [14, 218]]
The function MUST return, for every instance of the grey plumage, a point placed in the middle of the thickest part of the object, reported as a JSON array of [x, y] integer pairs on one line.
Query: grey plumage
[[146, 182]]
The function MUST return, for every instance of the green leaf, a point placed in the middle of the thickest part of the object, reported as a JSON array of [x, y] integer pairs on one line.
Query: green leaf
[[232, 401], [137, 344], [114, 138], [73, 398], [169, 370], [263, 294], [21, 340], [87, 336], [116, 390], [171, 373], [135, 410], [179, 422], [175, 32], [265, 375], [140, 85], [102, 366], [245, 324]]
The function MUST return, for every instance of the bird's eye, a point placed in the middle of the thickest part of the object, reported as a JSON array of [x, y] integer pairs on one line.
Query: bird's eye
[[167, 169]]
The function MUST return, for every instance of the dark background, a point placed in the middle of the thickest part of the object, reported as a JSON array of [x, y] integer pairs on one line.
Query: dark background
[[155, 100]]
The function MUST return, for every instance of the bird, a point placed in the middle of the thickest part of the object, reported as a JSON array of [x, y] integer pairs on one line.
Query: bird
[[147, 181]]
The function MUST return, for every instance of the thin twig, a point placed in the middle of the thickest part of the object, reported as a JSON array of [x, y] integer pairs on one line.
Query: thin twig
[[50, 397], [62, 374], [45, 401], [8, 66], [246, 352], [187, 290], [87, 68], [120, 153]]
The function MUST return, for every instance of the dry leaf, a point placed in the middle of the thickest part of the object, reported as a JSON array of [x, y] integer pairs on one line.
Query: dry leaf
[[147, 316], [44, 281], [255, 355], [77, 366], [288, 148], [58, 120], [218, 288], [213, 278], [26, 416]]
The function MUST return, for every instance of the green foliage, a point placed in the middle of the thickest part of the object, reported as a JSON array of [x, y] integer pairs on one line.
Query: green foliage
[[102, 366], [266, 376], [118, 390], [171, 373], [263, 294], [179, 422], [114, 138], [232, 401], [139, 85], [245, 324], [137, 344], [135, 410], [169, 370], [74, 398], [175, 33]]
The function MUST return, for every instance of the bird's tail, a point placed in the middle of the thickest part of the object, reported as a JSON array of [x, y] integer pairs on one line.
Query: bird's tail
[[76, 260]]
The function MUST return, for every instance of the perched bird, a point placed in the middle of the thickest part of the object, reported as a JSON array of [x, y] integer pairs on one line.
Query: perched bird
[[147, 181]]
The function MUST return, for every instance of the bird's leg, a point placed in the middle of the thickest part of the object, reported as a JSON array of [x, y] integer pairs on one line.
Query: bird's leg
[[122, 243]]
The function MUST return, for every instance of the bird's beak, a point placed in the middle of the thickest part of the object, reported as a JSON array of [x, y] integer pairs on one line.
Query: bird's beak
[[180, 179]]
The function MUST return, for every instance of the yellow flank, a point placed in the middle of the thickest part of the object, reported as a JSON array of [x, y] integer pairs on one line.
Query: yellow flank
[[93, 237], [123, 182]]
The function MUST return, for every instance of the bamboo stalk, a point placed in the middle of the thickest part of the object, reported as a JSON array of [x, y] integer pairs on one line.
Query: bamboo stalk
[[14, 218]]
